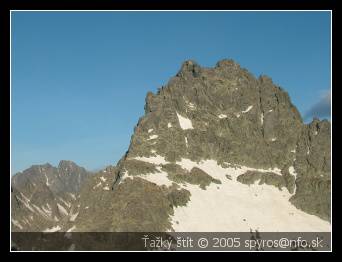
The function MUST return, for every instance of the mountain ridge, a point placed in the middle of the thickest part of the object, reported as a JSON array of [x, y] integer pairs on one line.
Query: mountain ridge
[[214, 131]]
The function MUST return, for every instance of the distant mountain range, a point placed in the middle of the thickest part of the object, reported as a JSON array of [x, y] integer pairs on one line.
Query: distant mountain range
[[217, 150]]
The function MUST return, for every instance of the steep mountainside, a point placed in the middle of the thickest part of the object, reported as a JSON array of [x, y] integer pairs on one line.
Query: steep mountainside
[[44, 197], [217, 150]]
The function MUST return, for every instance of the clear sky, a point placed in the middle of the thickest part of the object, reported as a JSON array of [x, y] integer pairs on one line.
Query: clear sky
[[79, 79]]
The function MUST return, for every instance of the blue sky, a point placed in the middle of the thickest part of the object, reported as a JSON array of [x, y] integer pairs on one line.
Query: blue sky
[[79, 79]]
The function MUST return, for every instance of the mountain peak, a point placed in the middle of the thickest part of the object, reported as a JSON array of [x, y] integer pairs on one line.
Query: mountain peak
[[189, 67], [227, 63], [46, 165], [67, 164]]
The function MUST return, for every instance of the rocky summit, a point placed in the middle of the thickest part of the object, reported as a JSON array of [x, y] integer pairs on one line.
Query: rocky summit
[[217, 150]]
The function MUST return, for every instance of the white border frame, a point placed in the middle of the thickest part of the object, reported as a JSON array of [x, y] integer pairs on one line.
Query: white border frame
[[33, 10]]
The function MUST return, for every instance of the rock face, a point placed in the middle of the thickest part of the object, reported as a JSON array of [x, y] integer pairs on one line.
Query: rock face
[[230, 116], [217, 150], [312, 164], [44, 197]]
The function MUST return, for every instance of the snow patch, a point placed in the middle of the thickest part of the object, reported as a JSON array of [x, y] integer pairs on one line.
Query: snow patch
[[25, 197], [64, 202], [150, 130], [25, 202], [26, 221], [103, 179], [47, 180], [72, 196], [169, 125], [293, 172], [153, 137], [47, 211], [157, 160], [73, 217], [273, 139], [17, 224], [222, 116], [40, 211], [71, 229], [247, 110], [191, 106], [53, 229], [262, 118], [62, 209], [106, 188], [97, 185], [212, 168], [185, 123], [159, 178]]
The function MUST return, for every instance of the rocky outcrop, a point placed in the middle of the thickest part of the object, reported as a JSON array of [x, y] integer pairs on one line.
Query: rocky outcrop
[[312, 164], [231, 116]]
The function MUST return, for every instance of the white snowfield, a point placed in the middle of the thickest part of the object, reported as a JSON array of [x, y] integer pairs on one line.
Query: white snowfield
[[233, 206], [185, 123]]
